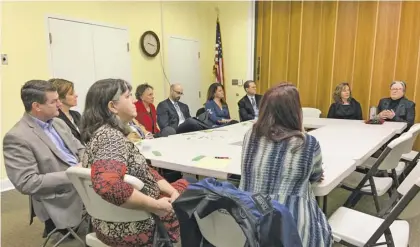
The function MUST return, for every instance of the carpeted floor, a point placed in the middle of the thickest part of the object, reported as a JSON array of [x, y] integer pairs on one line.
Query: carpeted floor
[[16, 231]]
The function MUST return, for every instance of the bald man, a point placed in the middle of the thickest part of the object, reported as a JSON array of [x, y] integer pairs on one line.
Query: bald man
[[171, 112]]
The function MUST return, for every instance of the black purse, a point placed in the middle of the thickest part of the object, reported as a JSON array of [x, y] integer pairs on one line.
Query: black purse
[[204, 120], [161, 237]]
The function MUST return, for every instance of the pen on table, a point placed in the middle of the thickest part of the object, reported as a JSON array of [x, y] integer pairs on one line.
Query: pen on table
[[221, 157]]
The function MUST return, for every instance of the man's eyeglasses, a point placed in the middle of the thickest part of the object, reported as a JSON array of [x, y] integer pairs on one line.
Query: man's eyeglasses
[[180, 93]]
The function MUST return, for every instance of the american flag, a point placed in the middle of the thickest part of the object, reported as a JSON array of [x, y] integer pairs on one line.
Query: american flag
[[218, 59]]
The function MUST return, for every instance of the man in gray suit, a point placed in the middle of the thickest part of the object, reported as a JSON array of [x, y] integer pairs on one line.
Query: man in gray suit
[[37, 151]]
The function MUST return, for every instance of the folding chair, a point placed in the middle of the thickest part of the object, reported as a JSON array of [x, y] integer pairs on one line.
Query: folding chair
[[411, 157], [353, 228], [220, 229], [311, 112], [97, 207], [369, 184], [71, 231]]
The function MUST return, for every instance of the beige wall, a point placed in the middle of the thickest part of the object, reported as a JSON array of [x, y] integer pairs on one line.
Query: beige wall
[[23, 38]]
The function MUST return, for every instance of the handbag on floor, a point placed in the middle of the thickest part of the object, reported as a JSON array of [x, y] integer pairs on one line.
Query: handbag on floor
[[161, 237]]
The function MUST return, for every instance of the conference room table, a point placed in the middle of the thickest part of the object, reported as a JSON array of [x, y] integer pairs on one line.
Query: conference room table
[[345, 144]]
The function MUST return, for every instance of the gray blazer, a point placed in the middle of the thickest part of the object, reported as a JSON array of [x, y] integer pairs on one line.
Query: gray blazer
[[36, 168]]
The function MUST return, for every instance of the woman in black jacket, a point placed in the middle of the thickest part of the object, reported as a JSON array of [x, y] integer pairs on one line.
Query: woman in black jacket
[[68, 98], [397, 107], [344, 106]]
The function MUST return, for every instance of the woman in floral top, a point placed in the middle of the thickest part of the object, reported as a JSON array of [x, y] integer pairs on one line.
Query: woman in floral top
[[111, 155]]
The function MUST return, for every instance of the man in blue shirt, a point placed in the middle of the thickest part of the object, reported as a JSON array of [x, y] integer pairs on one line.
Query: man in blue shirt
[[37, 152]]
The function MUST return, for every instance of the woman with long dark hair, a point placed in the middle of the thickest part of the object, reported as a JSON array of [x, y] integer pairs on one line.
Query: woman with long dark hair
[[110, 154], [216, 106], [280, 160]]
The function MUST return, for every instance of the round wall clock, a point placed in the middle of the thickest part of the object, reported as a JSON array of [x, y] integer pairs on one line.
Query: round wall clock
[[150, 44]]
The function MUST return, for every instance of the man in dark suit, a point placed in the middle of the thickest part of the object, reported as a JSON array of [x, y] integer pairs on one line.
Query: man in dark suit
[[248, 105], [171, 112], [37, 152]]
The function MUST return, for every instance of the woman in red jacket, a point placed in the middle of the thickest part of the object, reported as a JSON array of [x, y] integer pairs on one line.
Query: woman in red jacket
[[146, 111]]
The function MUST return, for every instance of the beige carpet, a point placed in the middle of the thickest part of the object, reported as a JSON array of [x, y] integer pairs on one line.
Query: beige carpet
[[16, 231]]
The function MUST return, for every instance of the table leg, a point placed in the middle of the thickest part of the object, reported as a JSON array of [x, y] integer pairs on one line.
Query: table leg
[[323, 204]]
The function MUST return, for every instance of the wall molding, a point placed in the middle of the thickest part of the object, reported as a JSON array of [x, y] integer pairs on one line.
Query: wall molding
[[251, 41], [6, 185]]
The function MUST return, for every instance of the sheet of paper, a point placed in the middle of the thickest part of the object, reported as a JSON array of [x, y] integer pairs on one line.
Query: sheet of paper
[[212, 162]]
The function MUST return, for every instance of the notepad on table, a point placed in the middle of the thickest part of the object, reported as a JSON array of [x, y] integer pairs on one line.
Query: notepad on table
[[212, 162]]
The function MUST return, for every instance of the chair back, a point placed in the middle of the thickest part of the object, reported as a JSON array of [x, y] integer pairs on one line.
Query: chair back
[[220, 229], [397, 148], [97, 207], [409, 185], [311, 112], [406, 208], [415, 131]]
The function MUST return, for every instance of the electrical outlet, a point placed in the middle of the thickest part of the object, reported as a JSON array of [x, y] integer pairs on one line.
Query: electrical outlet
[[4, 59], [240, 82]]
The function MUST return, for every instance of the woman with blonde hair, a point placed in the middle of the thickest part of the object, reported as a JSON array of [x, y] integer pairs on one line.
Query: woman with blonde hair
[[344, 106], [68, 98]]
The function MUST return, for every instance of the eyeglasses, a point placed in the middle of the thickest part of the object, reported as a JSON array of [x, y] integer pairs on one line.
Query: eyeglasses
[[396, 89], [180, 93]]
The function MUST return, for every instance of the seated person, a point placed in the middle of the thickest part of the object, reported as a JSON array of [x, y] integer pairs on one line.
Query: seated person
[[138, 132], [68, 98], [290, 161], [344, 106], [110, 155], [248, 105], [173, 113], [146, 112], [216, 106], [37, 152], [397, 107]]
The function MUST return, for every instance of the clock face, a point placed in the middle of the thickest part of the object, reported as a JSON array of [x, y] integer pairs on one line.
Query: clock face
[[149, 43]]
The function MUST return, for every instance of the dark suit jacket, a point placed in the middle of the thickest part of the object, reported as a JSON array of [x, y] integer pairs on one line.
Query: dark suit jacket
[[406, 110], [246, 111], [76, 118], [167, 115]]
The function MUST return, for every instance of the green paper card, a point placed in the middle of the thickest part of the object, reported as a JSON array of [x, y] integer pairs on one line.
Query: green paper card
[[198, 158], [156, 153]]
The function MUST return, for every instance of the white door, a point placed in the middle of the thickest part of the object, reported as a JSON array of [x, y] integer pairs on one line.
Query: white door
[[84, 53], [184, 68], [111, 53], [72, 55]]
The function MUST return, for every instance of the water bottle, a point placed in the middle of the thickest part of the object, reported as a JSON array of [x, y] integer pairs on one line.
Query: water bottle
[[372, 112]]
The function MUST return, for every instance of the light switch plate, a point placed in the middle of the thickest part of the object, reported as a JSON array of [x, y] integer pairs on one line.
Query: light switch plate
[[4, 59], [240, 82], [235, 82]]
